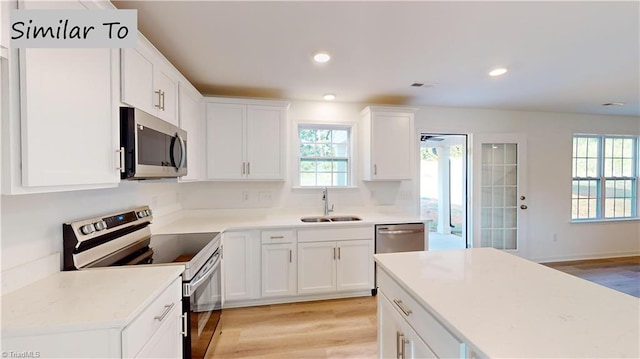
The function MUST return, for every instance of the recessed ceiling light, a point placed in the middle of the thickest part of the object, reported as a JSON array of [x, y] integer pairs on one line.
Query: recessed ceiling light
[[498, 71], [613, 104], [321, 57], [329, 96]]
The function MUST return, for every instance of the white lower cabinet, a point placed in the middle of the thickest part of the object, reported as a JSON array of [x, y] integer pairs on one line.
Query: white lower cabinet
[[396, 338], [392, 298], [240, 266], [157, 331], [330, 266], [279, 269]]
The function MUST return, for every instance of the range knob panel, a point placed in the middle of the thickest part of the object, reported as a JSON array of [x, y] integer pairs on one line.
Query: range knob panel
[[100, 226], [87, 229]]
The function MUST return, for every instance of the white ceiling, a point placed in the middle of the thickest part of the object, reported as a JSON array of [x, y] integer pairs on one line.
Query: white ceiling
[[562, 56]]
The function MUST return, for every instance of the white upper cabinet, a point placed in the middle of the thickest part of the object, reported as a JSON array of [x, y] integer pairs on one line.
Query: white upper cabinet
[[62, 117], [147, 83], [388, 142], [245, 139], [192, 121]]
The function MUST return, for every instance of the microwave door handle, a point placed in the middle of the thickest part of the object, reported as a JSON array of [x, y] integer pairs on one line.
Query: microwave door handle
[[183, 152]]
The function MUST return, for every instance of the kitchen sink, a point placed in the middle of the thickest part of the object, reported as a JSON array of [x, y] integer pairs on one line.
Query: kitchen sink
[[330, 219], [345, 219], [315, 219]]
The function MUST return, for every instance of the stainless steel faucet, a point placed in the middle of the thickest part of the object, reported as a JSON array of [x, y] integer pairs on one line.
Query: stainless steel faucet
[[325, 198]]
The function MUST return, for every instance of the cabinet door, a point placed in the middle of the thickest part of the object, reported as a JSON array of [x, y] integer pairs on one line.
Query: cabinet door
[[192, 121], [391, 145], [69, 119], [225, 144], [167, 340], [316, 267], [396, 338], [239, 265], [355, 265], [169, 99], [265, 135], [137, 80], [278, 269]]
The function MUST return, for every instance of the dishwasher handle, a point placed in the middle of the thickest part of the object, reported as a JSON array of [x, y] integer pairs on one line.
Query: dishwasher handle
[[400, 231]]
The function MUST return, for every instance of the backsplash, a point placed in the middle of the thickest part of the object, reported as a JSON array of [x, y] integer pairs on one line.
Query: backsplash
[[32, 224]]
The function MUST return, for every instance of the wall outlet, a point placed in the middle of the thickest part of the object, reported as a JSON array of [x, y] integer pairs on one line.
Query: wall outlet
[[245, 196], [265, 196]]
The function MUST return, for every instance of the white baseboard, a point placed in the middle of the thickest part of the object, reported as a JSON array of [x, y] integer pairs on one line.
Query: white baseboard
[[293, 299]]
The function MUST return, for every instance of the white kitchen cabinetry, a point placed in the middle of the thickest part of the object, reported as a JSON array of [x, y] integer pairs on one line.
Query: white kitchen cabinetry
[[245, 139], [192, 121], [411, 314], [241, 265], [60, 125], [133, 312], [388, 143], [147, 83], [279, 269], [335, 260], [396, 338], [157, 331]]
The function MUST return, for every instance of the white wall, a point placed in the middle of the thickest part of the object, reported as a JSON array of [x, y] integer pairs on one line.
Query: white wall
[[549, 137], [32, 224]]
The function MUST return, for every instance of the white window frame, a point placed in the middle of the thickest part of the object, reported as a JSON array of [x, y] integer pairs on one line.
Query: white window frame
[[601, 179], [351, 173]]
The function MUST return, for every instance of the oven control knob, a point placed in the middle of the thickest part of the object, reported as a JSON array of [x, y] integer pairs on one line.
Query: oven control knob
[[141, 214], [100, 226], [148, 212], [87, 228]]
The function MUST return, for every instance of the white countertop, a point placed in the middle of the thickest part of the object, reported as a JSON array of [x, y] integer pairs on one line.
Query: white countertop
[[199, 221], [82, 300], [509, 307]]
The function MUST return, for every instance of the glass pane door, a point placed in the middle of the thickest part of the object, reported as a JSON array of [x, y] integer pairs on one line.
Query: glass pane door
[[500, 201], [499, 222]]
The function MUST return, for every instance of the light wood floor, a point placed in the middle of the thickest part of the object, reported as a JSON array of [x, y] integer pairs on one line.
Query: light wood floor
[[621, 274], [346, 328], [341, 328]]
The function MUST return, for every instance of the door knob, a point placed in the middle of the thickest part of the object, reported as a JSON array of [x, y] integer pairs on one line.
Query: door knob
[[524, 206]]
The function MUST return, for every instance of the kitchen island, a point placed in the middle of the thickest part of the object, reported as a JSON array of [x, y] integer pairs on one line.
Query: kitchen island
[[487, 303]]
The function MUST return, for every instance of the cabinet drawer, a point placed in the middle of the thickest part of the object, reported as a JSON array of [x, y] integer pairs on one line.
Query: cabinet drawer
[[335, 234], [142, 328], [278, 236], [437, 337]]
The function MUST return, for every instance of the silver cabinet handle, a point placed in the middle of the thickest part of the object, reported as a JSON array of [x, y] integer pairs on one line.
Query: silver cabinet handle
[[162, 97], [121, 167], [243, 171], [185, 324], [277, 237], [159, 93], [375, 170], [167, 309], [338, 252], [404, 309], [290, 256], [248, 168], [400, 345], [334, 253]]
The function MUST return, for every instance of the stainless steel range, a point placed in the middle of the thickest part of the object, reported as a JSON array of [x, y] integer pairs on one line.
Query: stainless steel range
[[124, 238]]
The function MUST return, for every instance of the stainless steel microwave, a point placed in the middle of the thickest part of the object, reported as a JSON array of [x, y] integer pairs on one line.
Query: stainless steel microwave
[[150, 147]]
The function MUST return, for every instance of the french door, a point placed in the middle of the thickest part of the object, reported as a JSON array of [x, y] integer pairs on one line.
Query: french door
[[499, 185]]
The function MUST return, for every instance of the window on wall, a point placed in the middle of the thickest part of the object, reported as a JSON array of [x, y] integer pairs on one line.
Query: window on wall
[[605, 177], [324, 156]]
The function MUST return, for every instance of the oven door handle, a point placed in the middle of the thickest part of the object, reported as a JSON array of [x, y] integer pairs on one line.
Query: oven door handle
[[195, 284]]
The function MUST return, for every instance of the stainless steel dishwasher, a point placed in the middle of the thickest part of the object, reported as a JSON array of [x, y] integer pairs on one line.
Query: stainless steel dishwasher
[[405, 237], [400, 238]]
